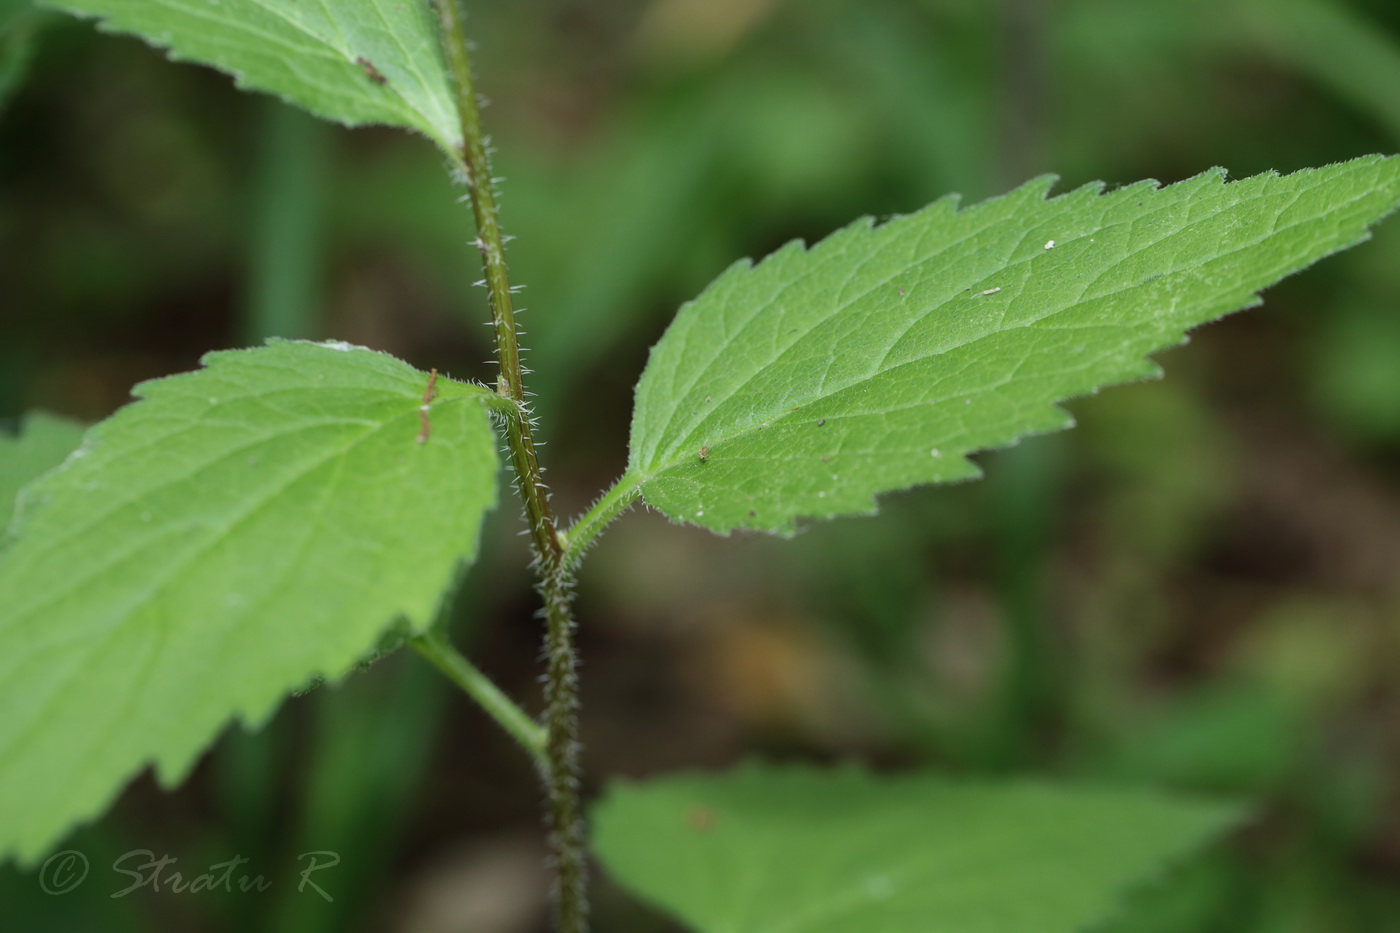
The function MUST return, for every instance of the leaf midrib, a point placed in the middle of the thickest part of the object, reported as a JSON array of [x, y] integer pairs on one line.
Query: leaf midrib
[[820, 268]]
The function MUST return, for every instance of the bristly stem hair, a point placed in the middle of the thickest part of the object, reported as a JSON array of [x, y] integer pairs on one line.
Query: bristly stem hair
[[560, 767]]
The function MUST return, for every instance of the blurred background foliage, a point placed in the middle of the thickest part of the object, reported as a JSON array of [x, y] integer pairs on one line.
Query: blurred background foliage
[[1196, 588]]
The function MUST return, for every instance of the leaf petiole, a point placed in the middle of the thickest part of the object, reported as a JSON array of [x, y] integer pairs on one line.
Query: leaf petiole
[[582, 533], [525, 730]]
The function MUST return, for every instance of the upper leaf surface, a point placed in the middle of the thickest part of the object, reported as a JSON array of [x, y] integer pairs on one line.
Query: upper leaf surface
[[765, 850], [353, 61], [877, 359], [240, 530], [42, 443]]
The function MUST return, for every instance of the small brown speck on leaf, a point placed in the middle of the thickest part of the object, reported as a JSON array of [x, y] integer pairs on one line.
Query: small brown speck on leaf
[[371, 72], [701, 819]]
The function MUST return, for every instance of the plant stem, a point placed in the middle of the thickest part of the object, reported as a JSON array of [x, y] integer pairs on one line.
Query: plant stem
[[475, 165], [479, 687], [285, 263], [560, 768]]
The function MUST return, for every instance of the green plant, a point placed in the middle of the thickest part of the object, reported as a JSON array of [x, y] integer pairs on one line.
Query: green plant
[[799, 388]]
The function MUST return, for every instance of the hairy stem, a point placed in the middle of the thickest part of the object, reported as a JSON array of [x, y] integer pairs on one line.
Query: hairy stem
[[475, 165], [561, 774], [560, 767]]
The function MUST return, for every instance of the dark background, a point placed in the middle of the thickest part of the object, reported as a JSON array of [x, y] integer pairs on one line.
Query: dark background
[[1196, 588]]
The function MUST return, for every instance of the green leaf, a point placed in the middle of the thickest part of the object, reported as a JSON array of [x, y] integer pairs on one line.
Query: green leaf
[[43, 442], [875, 361], [771, 850], [352, 61], [237, 532]]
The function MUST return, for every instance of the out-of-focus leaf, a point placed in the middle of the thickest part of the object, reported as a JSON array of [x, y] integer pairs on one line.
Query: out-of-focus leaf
[[1333, 42], [764, 850], [42, 443]]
